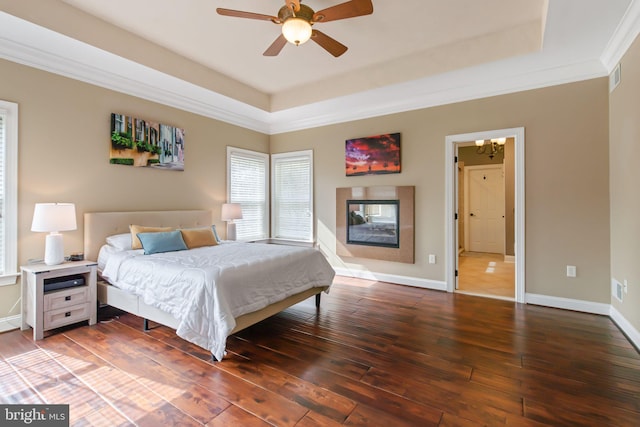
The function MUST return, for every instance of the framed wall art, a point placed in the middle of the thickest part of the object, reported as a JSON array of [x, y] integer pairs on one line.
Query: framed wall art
[[144, 143], [373, 155]]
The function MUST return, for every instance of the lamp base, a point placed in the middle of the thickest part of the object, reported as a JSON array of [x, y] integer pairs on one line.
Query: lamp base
[[54, 249], [231, 230]]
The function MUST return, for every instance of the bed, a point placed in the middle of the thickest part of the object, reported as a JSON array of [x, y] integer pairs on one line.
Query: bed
[[301, 281]]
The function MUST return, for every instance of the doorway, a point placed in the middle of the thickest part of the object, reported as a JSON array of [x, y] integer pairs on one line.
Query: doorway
[[485, 239], [483, 267]]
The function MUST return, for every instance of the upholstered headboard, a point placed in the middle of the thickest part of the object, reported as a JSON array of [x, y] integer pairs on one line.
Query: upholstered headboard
[[99, 225]]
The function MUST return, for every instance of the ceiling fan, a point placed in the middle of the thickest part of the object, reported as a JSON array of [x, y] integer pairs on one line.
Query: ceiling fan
[[297, 18]]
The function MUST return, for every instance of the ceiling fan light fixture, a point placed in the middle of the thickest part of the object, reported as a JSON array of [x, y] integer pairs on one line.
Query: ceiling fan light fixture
[[296, 30]]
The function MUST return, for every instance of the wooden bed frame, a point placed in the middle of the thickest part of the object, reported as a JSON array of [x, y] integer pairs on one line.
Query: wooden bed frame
[[99, 225]]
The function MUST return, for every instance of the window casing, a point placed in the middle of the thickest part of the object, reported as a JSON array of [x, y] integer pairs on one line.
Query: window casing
[[8, 192], [248, 184], [292, 196]]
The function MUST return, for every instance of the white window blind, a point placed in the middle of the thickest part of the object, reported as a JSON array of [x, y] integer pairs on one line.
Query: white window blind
[[292, 195], [248, 184], [8, 192]]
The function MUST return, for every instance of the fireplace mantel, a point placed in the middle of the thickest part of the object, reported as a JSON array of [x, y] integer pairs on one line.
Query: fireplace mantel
[[405, 250]]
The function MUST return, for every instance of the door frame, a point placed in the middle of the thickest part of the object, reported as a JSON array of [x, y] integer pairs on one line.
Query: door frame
[[451, 203], [467, 210]]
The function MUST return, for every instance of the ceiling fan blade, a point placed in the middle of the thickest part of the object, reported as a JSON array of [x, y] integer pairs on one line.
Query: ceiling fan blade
[[276, 46], [350, 9], [250, 15], [329, 44]]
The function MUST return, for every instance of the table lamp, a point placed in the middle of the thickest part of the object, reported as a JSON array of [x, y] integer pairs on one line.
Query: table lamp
[[53, 218], [231, 211]]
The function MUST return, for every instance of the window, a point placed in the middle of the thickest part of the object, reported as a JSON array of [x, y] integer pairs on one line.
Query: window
[[292, 195], [8, 192], [248, 184]]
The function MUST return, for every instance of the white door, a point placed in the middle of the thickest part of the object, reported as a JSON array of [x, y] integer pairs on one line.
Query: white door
[[485, 209]]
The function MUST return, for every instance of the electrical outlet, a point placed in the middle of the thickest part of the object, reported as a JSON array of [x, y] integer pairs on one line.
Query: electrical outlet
[[432, 259], [571, 271]]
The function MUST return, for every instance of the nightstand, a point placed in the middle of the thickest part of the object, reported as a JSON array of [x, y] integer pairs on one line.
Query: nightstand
[[58, 295]]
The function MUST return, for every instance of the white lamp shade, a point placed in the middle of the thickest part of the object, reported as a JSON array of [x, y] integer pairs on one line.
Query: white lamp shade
[[231, 211], [54, 217], [296, 30]]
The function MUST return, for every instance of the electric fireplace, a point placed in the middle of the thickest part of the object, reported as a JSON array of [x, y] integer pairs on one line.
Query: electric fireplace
[[373, 223]]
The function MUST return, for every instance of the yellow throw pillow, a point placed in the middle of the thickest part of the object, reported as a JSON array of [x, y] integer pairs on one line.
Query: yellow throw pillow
[[135, 229], [198, 237]]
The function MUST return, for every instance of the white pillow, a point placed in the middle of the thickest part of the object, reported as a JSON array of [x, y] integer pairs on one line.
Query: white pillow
[[103, 256], [121, 242]]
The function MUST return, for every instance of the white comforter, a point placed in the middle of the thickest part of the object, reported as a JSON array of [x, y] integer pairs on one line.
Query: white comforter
[[206, 288]]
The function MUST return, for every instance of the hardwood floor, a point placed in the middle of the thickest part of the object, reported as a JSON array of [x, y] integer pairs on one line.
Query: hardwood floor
[[375, 354]]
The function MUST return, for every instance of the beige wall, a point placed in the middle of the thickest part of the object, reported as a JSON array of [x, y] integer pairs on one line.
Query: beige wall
[[624, 116], [567, 181], [509, 197], [470, 157], [64, 157]]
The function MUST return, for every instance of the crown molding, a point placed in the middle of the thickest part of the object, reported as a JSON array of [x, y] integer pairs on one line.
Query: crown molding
[[22, 42], [623, 37], [498, 78]]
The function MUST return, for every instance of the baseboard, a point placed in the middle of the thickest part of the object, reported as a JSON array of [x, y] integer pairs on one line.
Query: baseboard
[[392, 278], [10, 323], [568, 304], [509, 258], [627, 328]]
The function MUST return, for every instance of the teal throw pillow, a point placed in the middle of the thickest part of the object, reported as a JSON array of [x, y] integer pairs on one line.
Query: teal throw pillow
[[215, 233], [164, 241]]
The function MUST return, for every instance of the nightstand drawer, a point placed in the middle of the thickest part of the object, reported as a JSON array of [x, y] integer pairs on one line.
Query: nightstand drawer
[[65, 316], [66, 298]]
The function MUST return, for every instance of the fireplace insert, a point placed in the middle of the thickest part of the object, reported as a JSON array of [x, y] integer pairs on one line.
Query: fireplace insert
[[373, 223]]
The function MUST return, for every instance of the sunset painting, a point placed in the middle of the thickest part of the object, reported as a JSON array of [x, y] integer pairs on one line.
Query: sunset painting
[[373, 155]]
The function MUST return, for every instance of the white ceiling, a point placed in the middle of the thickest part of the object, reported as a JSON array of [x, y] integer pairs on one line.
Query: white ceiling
[[395, 30], [407, 54]]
